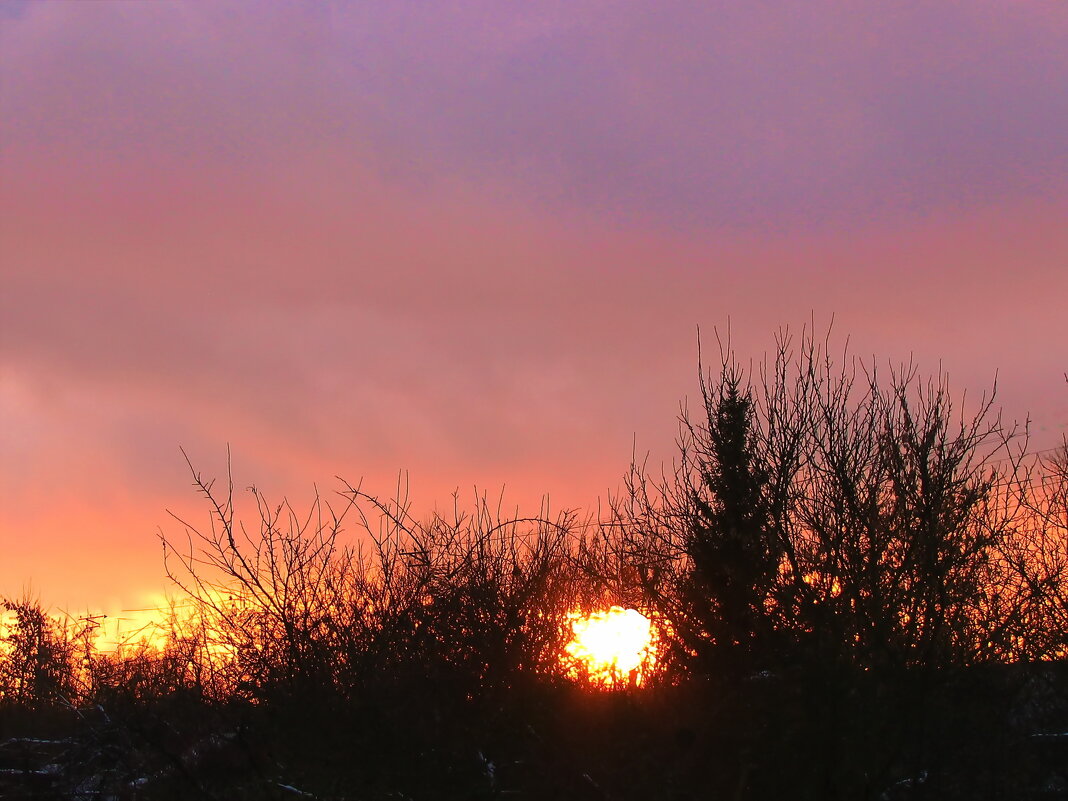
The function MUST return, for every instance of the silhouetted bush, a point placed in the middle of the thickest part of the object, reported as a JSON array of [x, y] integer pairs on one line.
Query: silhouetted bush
[[824, 514], [470, 602], [37, 656], [1039, 555]]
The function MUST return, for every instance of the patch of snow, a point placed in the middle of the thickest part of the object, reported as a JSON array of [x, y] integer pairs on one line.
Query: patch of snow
[[34, 741], [293, 789], [904, 785]]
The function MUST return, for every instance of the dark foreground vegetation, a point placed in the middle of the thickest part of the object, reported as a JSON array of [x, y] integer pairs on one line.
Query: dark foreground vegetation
[[860, 586]]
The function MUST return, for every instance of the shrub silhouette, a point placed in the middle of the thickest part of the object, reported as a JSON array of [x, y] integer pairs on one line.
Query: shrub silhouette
[[826, 514], [470, 601], [37, 656], [1038, 555]]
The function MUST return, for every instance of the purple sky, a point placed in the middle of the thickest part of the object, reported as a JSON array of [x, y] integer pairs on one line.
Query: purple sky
[[475, 240]]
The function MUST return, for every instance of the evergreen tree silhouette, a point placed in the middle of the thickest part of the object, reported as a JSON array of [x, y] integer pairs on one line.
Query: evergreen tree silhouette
[[730, 542]]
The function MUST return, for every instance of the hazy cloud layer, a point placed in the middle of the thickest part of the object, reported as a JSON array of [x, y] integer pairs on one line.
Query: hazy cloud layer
[[475, 239]]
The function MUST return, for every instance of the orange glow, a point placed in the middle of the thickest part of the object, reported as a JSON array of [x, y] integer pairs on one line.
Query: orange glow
[[614, 647], [818, 580], [161, 624], [144, 626]]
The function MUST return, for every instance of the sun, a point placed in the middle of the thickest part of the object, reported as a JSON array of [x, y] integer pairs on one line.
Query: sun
[[611, 648]]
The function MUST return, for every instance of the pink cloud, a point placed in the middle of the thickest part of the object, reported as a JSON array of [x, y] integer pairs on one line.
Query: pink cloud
[[476, 241]]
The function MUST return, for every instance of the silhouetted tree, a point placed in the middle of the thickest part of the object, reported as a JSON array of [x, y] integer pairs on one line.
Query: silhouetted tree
[[37, 665], [823, 514], [734, 551], [1038, 555]]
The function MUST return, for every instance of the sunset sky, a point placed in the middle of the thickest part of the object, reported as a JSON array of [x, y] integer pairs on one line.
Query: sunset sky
[[474, 240]]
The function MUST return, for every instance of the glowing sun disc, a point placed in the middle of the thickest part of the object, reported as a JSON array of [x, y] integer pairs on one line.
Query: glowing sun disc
[[613, 646]]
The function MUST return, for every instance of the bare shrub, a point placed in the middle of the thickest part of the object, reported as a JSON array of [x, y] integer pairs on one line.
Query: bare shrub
[[38, 664], [1038, 554], [476, 597], [823, 511]]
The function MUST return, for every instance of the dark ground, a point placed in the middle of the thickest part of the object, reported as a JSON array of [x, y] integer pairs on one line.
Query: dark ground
[[994, 732]]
